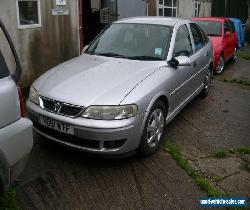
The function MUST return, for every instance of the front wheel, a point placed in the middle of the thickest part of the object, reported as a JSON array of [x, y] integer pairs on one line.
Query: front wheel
[[153, 130], [207, 84]]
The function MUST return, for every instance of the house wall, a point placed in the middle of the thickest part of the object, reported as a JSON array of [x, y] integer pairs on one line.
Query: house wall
[[131, 8], [40, 49], [185, 8]]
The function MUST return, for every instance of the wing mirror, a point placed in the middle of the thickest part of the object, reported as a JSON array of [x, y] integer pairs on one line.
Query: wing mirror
[[227, 33], [84, 49], [179, 61]]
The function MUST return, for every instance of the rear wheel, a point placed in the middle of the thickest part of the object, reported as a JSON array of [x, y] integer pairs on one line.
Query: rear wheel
[[153, 130], [221, 65], [235, 54], [207, 83]]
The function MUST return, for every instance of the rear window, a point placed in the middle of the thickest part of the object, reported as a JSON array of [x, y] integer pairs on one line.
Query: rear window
[[7, 61], [211, 28], [232, 27]]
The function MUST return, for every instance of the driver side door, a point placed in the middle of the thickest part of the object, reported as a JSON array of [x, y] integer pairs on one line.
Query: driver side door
[[182, 75]]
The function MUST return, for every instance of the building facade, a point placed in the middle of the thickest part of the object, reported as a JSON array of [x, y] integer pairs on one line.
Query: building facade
[[45, 33], [180, 8]]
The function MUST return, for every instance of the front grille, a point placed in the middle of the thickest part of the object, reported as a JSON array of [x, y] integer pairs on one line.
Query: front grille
[[67, 138], [70, 110], [60, 108]]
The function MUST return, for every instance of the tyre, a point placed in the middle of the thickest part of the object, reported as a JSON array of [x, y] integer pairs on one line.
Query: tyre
[[221, 65], [234, 55], [207, 83], [153, 130]]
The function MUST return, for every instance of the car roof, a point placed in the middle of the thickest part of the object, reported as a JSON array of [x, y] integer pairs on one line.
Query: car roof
[[168, 21], [221, 19]]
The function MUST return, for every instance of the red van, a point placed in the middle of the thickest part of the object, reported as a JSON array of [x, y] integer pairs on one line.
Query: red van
[[224, 39]]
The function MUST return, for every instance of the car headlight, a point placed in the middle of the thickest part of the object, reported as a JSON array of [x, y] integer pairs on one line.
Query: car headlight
[[110, 112], [34, 95]]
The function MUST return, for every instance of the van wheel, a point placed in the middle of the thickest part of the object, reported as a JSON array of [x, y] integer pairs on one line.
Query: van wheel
[[153, 130], [221, 65], [207, 83]]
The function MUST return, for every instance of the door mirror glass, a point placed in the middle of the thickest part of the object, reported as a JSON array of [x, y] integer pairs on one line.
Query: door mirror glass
[[183, 61], [84, 49]]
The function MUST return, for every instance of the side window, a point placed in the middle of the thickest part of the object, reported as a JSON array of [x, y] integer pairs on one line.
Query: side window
[[232, 27], [204, 35], [183, 44], [226, 27], [199, 41]]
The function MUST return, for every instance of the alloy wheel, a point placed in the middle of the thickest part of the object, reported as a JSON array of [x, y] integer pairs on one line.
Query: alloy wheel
[[221, 65], [155, 128]]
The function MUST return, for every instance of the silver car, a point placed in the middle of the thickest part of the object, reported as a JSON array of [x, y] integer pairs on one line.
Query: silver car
[[119, 94], [16, 137]]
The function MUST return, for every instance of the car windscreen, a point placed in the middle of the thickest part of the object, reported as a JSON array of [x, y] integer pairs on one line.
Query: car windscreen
[[133, 41], [211, 28]]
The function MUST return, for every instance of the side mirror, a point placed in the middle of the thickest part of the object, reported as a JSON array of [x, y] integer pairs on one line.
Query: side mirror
[[227, 33], [84, 49]]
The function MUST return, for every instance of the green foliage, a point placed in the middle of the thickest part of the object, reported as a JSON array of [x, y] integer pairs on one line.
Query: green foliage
[[199, 178], [8, 200]]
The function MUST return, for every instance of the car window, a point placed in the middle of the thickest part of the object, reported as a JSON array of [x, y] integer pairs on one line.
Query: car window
[[183, 44], [226, 27], [211, 28], [232, 27], [4, 72], [199, 41], [6, 57]]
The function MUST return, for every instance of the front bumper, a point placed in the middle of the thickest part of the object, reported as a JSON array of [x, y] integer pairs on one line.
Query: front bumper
[[95, 136]]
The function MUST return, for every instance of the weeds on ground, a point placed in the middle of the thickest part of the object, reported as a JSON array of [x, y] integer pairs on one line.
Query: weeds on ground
[[8, 200], [237, 81], [204, 183], [243, 55]]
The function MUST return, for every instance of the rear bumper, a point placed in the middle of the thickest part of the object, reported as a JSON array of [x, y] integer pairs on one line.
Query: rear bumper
[[16, 141], [95, 136]]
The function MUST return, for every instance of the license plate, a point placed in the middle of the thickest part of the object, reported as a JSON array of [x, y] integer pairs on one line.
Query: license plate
[[56, 125]]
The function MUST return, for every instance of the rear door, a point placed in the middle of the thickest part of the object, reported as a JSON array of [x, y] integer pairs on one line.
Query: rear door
[[9, 99], [228, 41], [201, 55]]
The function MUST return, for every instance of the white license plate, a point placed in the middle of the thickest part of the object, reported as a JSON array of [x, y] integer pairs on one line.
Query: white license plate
[[56, 125]]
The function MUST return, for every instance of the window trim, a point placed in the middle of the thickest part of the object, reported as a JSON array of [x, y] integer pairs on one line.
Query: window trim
[[197, 8], [30, 25], [159, 6]]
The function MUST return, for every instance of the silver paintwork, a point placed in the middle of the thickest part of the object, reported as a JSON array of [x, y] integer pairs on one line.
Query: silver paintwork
[[16, 137], [98, 80]]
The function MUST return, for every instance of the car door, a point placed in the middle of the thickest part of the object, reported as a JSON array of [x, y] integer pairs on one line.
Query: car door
[[182, 75], [201, 55], [228, 41]]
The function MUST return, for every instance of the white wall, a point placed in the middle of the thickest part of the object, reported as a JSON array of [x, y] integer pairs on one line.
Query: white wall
[[187, 9], [131, 8]]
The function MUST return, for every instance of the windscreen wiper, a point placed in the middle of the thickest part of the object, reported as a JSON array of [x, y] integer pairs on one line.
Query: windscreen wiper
[[145, 58], [110, 55]]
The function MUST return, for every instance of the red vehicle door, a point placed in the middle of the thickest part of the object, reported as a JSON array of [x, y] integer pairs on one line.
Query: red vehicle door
[[229, 41]]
